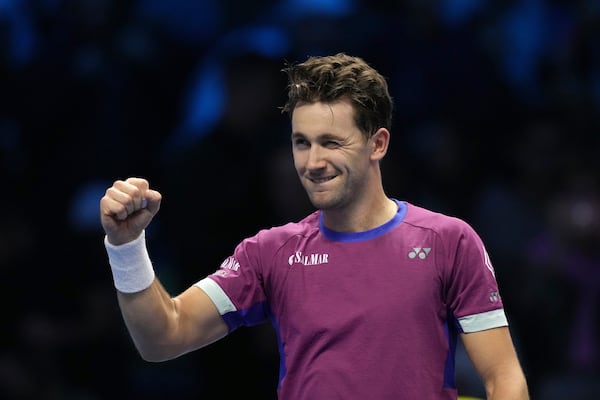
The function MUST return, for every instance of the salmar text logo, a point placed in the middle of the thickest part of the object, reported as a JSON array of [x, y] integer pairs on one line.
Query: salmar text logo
[[308, 259]]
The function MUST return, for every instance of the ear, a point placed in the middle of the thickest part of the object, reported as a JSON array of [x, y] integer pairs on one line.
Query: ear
[[380, 141]]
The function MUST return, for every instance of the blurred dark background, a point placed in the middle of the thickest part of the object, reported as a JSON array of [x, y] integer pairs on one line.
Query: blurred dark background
[[497, 122]]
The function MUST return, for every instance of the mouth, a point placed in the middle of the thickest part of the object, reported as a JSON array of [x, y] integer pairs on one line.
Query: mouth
[[319, 180]]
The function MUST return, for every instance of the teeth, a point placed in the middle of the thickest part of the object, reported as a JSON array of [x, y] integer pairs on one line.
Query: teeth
[[321, 180]]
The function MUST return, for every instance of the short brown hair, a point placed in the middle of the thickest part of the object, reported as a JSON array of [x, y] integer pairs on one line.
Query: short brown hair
[[332, 78]]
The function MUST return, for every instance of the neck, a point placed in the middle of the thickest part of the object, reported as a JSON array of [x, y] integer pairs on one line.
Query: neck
[[361, 217]]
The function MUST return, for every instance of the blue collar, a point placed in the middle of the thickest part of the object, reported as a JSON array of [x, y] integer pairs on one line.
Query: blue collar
[[365, 235]]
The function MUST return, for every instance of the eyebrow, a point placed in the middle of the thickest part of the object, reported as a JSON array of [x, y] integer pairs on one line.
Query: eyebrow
[[324, 136]]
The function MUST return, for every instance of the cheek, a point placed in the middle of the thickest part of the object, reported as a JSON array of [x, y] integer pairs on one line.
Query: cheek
[[298, 161]]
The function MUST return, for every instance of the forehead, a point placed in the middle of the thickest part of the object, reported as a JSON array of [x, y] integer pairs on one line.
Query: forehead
[[319, 118]]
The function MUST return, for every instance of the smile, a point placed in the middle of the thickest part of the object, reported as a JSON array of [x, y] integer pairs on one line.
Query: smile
[[321, 180]]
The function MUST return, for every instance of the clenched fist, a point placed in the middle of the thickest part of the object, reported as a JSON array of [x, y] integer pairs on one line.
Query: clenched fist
[[127, 208]]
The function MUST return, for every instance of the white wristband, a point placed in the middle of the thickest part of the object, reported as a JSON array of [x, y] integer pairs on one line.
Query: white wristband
[[130, 264]]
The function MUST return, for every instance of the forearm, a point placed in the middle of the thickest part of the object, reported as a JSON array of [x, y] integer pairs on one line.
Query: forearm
[[148, 310], [151, 319], [509, 386]]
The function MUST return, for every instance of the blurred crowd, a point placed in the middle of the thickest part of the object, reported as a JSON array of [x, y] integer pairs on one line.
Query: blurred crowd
[[497, 121]]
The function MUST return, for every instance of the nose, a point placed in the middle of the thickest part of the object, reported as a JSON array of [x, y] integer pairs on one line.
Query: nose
[[316, 158]]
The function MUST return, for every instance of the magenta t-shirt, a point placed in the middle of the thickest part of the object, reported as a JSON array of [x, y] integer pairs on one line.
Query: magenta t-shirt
[[368, 315]]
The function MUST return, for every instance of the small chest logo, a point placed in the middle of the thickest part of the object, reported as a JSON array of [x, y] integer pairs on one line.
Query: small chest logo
[[420, 252], [308, 259]]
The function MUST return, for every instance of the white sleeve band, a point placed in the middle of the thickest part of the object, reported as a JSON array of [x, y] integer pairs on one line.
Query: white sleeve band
[[217, 295], [130, 264], [483, 321]]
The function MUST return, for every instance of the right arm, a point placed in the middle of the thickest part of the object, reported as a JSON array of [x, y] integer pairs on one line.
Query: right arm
[[162, 327]]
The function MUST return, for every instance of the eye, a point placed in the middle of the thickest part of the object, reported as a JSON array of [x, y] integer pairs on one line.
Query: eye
[[300, 142], [332, 144]]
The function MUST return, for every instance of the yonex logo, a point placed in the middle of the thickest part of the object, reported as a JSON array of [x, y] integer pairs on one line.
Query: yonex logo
[[421, 252], [494, 297]]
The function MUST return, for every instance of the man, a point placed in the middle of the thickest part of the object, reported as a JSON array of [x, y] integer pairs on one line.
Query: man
[[367, 294]]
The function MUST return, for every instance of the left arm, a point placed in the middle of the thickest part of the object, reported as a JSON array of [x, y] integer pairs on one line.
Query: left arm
[[494, 357]]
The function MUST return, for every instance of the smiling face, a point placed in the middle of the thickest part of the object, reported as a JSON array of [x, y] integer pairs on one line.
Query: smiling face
[[331, 155]]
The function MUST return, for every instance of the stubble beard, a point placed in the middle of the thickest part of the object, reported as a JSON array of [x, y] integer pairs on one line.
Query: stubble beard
[[330, 200]]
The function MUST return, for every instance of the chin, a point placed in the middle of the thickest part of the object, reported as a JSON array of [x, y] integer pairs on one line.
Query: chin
[[324, 203]]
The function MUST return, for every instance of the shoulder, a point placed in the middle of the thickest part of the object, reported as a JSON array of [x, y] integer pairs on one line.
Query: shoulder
[[277, 236], [450, 231], [437, 222]]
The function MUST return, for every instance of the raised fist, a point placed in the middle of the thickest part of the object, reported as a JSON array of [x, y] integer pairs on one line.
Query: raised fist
[[127, 209]]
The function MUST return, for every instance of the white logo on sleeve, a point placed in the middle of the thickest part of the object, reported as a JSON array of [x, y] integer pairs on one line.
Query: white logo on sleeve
[[494, 297], [230, 263]]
